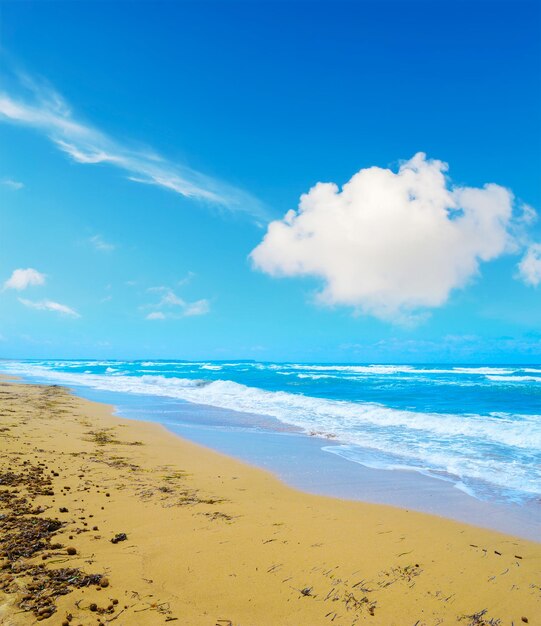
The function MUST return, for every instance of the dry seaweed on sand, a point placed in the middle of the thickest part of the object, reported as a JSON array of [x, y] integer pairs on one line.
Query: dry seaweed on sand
[[24, 534], [480, 619]]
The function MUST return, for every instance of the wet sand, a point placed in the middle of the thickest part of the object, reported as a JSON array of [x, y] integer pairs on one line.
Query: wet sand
[[201, 538]]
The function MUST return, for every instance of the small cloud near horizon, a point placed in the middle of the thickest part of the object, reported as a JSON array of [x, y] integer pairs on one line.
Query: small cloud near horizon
[[12, 184], [171, 306], [155, 315], [20, 279], [99, 243], [49, 305]]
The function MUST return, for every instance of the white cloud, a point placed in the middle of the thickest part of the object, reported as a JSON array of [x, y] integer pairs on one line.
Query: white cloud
[[389, 244], [170, 298], [155, 315], [530, 266], [23, 278], [188, 278], [173, 307], [12, 184], [200, 307], [98, 242], [49, 305], [40, 107]]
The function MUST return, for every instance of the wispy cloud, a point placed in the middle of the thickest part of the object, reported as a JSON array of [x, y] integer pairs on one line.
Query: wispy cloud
[[171, 306], [99, 243], [20, 279], [49, 305], [12, 184], [37, 105]]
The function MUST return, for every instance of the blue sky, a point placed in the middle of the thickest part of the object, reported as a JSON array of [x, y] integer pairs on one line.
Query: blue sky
[[146, 147]]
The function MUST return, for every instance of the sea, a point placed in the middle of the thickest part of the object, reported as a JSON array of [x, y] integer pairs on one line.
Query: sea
[[476, 428]]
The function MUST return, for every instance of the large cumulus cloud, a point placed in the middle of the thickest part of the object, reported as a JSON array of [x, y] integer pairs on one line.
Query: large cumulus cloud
[[390, 243]]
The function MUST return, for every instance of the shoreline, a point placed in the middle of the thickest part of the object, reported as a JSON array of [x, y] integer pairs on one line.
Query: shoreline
[[307, 463], [212, 540]]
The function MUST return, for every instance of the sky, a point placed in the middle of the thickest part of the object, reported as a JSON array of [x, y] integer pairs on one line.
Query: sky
[[284, 181]]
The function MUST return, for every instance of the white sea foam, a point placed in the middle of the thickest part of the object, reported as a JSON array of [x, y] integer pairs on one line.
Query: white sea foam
[[316, 376], [515, 379], [483, 370]]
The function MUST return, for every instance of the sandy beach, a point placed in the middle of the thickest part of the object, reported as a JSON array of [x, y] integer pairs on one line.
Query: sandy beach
[[106, 520]]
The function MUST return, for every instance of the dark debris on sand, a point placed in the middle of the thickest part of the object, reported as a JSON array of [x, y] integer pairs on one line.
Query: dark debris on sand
[[25, 535]]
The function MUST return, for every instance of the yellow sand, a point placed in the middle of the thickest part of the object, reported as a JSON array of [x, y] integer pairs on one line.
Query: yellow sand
[[214, 541]]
